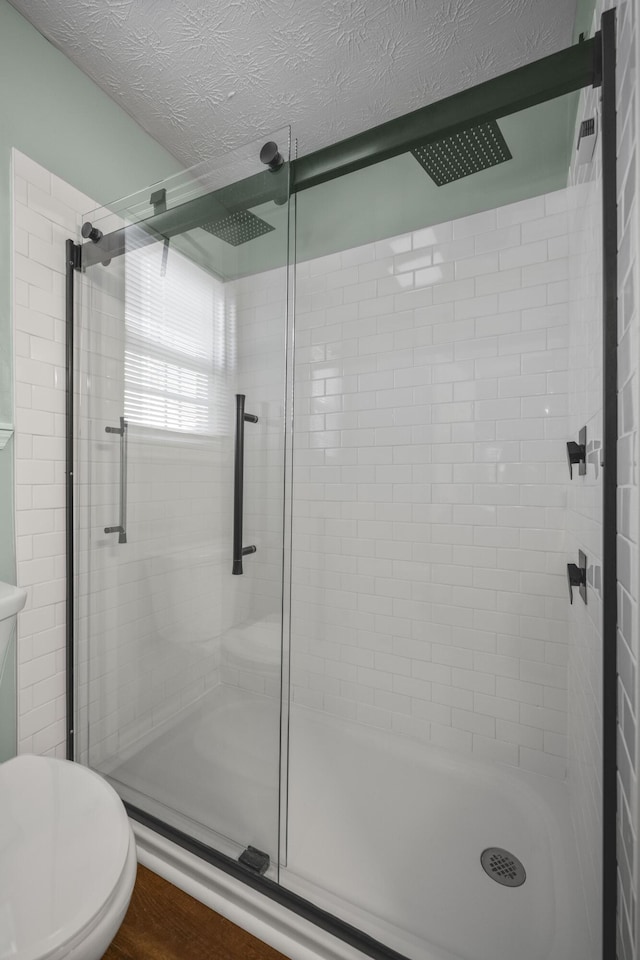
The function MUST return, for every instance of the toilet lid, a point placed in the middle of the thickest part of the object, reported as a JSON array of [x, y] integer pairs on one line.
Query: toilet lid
[[64, 838]]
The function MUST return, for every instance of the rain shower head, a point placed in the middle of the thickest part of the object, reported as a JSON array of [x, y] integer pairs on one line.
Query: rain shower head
[[238, 227], [464, 153]]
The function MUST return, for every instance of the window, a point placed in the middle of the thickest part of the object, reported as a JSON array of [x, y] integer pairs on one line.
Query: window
[[175, 347]]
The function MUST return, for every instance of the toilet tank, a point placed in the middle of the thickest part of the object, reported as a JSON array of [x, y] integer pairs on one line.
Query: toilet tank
[[12, 600]]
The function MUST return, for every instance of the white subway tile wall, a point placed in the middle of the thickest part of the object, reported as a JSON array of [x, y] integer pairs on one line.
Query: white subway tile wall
[[151, 610], [163, 621], [46, 212], [251, 655], [584, 519], [584, 513], [429, 579], [628, 105]]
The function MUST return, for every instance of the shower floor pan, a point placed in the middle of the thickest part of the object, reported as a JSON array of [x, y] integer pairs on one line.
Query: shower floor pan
[[383, 831]]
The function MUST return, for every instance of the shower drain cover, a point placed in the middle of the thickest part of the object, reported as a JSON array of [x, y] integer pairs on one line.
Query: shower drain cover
[[503, 867]]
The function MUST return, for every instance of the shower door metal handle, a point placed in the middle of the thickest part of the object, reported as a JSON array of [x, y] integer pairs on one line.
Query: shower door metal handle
[[121, 528], [238, 485]]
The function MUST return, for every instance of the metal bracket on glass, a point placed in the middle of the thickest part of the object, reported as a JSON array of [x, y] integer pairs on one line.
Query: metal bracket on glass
[[89, 232], [158, 201], [238, 487], [121, 527]]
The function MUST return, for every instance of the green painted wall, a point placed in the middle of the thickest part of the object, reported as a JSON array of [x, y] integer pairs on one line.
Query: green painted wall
[[584, 18], [57, 116], [397, 196]]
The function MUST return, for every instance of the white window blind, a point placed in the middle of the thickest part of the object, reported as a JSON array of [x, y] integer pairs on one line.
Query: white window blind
[[175, 347]]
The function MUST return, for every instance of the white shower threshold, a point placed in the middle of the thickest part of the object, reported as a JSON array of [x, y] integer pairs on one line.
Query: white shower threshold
[[386, 833]]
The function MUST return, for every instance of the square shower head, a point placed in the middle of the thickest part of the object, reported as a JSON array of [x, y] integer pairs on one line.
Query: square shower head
[[464, 153], [238, 227]]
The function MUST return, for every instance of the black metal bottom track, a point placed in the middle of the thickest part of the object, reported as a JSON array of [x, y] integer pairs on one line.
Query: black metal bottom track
[[274, 891]]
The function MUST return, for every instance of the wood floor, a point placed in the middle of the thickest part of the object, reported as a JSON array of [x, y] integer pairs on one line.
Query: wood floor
[[164, 923]]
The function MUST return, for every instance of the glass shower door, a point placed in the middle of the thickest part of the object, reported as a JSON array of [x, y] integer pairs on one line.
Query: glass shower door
[[180, 522]]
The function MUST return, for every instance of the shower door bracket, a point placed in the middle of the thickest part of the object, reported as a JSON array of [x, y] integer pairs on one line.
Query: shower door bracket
[[255, 860]]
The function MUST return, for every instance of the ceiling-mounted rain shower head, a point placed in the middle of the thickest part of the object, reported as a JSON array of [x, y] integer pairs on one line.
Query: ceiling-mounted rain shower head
[[464, 153], [238, 227]]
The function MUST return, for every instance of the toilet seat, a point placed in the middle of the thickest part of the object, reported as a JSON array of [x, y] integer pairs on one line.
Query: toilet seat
[[65, 850], [254, 645]]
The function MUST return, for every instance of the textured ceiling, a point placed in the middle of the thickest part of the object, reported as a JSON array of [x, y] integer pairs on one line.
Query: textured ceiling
[[203, 76]]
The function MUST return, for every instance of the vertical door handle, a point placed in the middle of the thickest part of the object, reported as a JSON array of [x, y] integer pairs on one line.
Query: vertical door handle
[[121, 527], [238, 486]]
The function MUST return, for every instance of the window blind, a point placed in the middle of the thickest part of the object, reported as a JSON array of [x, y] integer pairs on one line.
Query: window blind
[[175, 357]]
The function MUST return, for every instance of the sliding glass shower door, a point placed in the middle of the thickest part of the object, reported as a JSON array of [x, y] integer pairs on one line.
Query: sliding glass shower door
[[181, 449]]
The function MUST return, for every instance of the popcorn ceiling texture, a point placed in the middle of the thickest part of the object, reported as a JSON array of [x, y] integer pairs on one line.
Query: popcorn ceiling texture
[[202, 77]]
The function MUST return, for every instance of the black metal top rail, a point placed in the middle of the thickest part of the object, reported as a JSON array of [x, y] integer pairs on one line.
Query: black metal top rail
[[545, 79]]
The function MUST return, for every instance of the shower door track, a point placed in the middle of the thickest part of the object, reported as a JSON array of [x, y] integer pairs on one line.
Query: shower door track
[[306, 909], [588, 63]]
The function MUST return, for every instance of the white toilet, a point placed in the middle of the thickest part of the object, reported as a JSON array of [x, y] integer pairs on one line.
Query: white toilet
[[67, 853]]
